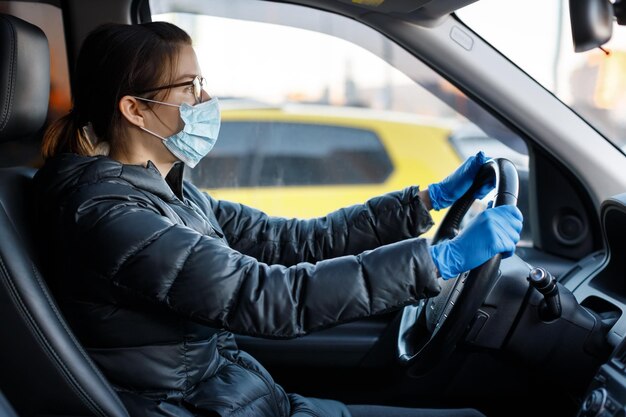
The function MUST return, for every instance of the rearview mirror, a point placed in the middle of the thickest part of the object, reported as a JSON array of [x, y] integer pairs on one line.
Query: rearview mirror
[[592, 23]]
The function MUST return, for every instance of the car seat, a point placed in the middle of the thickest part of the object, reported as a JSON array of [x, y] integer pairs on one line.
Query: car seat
[[5, 408], [43, 368]]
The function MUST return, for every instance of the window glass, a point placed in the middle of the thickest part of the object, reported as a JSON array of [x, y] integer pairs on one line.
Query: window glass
[[228, 163], [49, 19], [590, 82], [251, 154], [320, 112]]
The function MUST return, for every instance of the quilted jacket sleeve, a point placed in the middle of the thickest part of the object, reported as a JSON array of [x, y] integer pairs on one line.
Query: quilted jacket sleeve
[[122, 239], [348, 231]]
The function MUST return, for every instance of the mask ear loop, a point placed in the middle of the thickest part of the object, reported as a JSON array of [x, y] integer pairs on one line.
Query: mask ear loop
[[155, 101], [152, 133], [158, 102]]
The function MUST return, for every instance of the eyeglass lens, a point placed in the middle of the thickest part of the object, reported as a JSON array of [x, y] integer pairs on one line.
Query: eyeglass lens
[[199, 83]]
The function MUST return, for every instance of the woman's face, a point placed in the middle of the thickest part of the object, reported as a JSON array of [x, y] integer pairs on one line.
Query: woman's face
[[167, 121]]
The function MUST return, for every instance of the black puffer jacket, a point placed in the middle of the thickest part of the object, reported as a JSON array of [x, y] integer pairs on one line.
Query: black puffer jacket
[[153, 275]]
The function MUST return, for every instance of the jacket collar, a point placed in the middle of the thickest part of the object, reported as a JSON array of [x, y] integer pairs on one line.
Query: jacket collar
[[69, 170], [149, 178]]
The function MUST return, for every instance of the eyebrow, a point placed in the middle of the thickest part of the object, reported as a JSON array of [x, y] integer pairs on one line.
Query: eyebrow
[[182, 77]]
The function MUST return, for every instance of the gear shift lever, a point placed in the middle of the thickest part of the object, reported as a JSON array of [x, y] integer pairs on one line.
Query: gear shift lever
[[545, 283]]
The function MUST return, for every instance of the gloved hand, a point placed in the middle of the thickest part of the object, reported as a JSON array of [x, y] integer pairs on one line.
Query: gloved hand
[[493, 231], [446, 192]]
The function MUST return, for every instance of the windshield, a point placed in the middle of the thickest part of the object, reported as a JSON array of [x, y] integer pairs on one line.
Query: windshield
[[591, 82]]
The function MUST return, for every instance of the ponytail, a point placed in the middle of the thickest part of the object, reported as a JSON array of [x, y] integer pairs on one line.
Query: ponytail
[[63, 135]]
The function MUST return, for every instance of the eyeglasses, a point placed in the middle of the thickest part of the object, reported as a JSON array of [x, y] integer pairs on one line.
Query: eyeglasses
[[198, 83]]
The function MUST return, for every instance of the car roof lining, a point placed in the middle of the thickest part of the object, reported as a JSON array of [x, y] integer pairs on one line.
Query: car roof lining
[[57, 3], [423, 12]]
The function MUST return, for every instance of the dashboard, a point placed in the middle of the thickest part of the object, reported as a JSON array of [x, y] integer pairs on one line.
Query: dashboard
[[598, 283]]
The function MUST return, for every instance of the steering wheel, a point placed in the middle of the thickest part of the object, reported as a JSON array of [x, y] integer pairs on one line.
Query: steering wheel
[[430, 330]]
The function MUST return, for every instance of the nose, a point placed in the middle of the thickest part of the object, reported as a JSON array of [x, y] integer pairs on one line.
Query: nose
[[204, 96]]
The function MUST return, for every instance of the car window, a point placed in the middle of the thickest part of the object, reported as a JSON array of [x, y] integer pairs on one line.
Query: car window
[[320, 111], [49, 19], [271, 154], [590, 82]]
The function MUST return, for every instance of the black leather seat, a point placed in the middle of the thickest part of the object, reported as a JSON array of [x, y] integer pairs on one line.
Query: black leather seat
[[43, 368], [5, 408]]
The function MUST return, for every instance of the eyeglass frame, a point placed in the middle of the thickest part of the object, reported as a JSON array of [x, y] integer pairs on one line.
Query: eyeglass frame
[[201, 82]]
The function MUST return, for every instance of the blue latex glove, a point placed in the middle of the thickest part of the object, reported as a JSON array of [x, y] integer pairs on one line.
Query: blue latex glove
[[446, 192], [493, 231]]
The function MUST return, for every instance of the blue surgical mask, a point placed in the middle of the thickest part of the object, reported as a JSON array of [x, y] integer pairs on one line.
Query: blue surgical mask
[[202, 126]]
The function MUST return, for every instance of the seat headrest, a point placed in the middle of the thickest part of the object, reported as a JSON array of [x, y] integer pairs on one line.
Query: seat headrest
[[24, 78]]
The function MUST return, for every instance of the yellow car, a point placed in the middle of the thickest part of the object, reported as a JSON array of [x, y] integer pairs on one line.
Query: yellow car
[[307, 160]]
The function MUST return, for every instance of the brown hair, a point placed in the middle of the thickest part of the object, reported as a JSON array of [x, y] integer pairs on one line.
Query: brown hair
[[115, 60]]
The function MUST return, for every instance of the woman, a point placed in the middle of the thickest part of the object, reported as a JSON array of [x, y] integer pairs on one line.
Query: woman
[[153, 274]]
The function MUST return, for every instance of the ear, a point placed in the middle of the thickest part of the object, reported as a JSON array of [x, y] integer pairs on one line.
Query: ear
[[130, 109]]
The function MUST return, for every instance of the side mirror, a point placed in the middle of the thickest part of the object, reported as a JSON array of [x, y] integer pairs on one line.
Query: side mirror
[[592, 23]]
